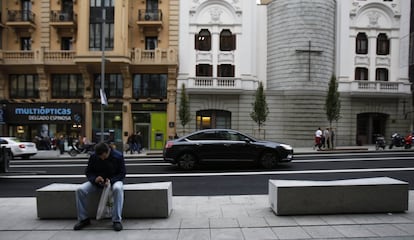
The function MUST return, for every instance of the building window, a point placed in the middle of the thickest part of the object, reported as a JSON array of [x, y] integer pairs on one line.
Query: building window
[[95, 24], [361, 43], [206, 119], [383, 44], [225, 70], [361, 73], [114, 86], [227, 41], [203, 40], [67, 86], [66, 43], [24, 86], [204, 70], [25, 44], [151, 43], [150, 86], [381, 74]]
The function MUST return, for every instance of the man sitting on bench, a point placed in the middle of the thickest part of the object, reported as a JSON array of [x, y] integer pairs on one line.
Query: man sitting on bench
[[105, 166]]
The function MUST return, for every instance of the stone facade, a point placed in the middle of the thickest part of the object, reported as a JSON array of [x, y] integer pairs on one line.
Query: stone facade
[[306, 42]]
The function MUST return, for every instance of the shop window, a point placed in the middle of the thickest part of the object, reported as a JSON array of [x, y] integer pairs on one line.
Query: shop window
[[203, 40], [361, 73], [67, 86], [383, 44], [150, 86], [204, 70], [225, 70], [227, 41], [24, 86], [361, 43], [114, 87], [206, 119], [381, 74]]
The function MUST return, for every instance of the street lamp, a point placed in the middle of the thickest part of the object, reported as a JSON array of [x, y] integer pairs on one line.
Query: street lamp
[[104, 101]]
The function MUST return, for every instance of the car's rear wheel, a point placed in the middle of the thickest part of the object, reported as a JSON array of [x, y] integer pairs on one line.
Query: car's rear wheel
[[187, 161], [269, 160]]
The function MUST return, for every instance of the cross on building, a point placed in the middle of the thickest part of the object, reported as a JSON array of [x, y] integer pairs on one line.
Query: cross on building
[[309, 51]]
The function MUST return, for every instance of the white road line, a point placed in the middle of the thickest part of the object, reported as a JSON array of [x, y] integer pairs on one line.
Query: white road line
[[219, 174], [352, 159], [83, 165]]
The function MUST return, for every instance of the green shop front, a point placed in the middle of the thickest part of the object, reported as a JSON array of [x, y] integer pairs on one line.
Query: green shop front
[[150, 119]]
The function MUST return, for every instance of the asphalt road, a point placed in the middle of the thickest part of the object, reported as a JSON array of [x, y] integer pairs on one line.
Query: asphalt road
[[233, 178]]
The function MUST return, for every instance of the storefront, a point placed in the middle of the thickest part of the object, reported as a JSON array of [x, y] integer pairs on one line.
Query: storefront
[[151, 120], [43, 122]]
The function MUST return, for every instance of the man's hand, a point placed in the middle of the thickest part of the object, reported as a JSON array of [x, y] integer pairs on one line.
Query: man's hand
[[99, 180]]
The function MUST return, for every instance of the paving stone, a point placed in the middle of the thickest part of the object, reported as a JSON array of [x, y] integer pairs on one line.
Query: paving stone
[[258, 233], [322, 232], [290, 233], [227, 234]]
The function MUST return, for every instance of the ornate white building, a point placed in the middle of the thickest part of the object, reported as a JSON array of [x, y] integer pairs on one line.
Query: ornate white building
[[294, 47]]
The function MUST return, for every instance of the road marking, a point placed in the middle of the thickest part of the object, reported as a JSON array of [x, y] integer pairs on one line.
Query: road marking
[[82, 165], [352, 159], [219, 174]]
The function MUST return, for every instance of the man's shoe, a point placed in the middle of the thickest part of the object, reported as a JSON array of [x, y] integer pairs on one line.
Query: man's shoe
[[82, 224], [117, 226]]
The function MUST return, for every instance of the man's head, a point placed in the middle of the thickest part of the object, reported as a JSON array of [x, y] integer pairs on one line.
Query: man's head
[[102, 150]]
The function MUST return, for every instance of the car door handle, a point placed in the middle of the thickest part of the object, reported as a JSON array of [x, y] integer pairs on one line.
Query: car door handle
[[227, 144]]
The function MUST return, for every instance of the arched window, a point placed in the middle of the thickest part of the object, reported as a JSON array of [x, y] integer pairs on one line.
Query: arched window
[[361, 43], [381, 74], [227, 40], [361, 73], [383, 44], [203, 40]]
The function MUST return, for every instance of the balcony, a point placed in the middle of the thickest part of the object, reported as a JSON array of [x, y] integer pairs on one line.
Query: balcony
[[62, 20], [51, 57], [21, 19], [375, 88], [64, 57], [224, 85], [149, 19], [157, 56]]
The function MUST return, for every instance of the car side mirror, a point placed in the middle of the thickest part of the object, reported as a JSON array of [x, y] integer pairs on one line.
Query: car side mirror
[[247, 140]]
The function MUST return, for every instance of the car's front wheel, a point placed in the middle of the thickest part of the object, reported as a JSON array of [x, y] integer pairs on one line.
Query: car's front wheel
[[269, 160], [187, 161]]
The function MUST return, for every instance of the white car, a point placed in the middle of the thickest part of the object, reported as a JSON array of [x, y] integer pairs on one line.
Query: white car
[[18, 148]]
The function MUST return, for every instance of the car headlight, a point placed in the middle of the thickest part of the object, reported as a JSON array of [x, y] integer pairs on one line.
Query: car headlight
[[287, 147]]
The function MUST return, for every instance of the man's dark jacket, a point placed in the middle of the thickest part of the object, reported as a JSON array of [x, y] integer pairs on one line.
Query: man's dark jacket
[[112, 168]]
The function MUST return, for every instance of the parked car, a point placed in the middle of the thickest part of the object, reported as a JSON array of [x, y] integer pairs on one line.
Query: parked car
[[19, 148], [224, 145]]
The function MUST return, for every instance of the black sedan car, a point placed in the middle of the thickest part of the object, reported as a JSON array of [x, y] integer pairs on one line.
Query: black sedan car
[[224, 145]]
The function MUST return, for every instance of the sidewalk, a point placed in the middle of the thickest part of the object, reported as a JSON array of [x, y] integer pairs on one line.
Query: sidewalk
[[219, 217], [242, 217]]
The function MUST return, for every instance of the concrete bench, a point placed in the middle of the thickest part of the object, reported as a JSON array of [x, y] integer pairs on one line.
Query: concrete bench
[[144, 200], [365, 195]]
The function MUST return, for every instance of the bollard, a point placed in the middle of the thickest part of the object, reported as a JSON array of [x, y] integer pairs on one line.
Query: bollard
[[5, 154]]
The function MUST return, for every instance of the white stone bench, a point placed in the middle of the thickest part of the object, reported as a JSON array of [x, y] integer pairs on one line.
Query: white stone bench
[[143, 200], [365, 195]]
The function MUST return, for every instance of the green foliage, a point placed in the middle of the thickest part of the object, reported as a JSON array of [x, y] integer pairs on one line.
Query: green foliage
[[260, 109], [333, 103], [184, 108]]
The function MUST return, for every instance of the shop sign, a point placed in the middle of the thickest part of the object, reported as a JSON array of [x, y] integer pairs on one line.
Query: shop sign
[[29, 113]]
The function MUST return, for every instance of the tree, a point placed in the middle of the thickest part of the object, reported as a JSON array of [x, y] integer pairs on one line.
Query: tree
[[184, 108], [332, 104], [260, 109]]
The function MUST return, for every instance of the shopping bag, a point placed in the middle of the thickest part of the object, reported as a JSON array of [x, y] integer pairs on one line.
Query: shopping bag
[[106, 203]]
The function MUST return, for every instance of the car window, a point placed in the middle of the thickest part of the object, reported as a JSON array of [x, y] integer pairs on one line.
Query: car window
[[203, 136], [2, 141]]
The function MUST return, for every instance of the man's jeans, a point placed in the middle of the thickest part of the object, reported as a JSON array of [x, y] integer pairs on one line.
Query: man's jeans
[[82, 199]]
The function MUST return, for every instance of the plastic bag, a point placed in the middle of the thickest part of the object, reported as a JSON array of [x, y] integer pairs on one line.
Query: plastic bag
[[106, 203]]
